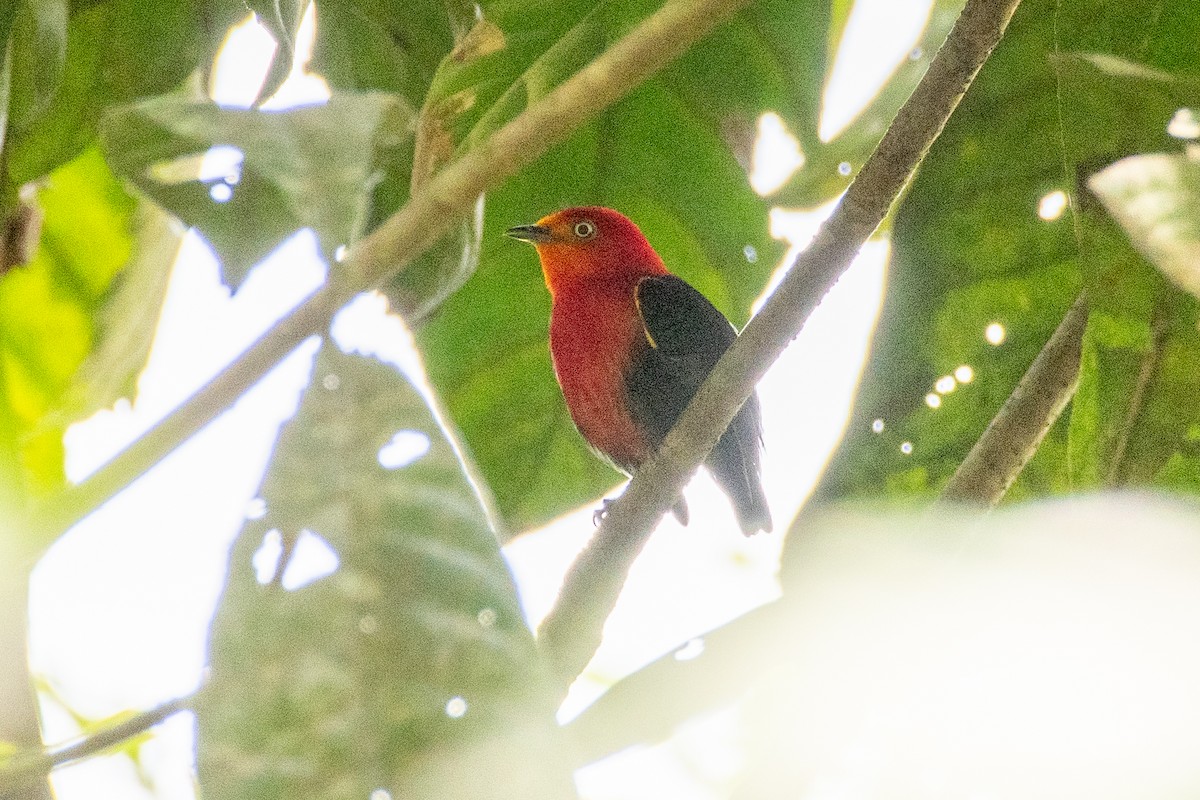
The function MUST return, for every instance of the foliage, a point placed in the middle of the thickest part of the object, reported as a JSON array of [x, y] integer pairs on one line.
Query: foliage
[[971, 250], [410, 668], [351, 683], [51, 318]]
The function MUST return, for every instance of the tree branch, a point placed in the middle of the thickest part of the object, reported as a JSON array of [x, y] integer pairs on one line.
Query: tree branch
[[428, 215], [19, 723], [1014, 434], [571, 633], [25, 772]]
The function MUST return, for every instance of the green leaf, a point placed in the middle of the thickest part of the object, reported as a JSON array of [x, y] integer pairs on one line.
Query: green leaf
[[116, 51], [382, 46], [409, 668], [8, 13], [371, 45], [39, 51], [667, 156], [307, 167], [49, 317], [971, 250], [1135, 402]]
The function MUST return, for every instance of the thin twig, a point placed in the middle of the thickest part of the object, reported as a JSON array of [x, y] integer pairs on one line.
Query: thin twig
[[571, 633], [428, 215], [1137, 400], [34, 769], [1014, 434]]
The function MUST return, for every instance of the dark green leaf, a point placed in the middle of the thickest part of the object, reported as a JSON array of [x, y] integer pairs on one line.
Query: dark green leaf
[[116, 51], [382, 46], [378, 45], [1136, 417], [410, 667], [38, 52], [307, 167]]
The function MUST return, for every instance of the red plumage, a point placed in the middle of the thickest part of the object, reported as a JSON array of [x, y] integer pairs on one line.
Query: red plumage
[[632, 343]]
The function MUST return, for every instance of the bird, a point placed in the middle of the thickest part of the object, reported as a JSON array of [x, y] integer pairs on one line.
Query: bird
[[631, 343]]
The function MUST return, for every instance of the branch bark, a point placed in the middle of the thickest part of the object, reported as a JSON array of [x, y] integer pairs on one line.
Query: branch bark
[[428, 215], [1014, 434], [19, 722], [572, 632]]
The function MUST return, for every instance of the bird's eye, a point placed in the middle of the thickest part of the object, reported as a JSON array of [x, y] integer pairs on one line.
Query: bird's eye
[[585, 229]]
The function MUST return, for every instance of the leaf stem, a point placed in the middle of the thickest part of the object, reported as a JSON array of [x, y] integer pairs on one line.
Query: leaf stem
[[572, 632], [429, 214]]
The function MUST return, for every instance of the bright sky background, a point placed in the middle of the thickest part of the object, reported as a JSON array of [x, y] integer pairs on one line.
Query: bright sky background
[[121, 604]]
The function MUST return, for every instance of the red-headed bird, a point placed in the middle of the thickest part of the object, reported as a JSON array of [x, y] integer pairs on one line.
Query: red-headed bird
[[631, 344]]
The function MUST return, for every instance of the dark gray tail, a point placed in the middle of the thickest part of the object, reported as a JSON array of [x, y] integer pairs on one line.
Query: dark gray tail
[[736, 464]]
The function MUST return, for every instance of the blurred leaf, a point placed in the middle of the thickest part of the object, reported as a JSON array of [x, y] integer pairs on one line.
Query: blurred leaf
[[39, 50], [282, 18], [667, 156], [306, 167], [909, 631], [971, 250], [426, 283], [5, 91], [8, 13], [49, 317], [647, 706], [383, 46], [904, 630], [1155, 199], [373, 45], [409, 668], [1137, 416], [129, 317], [116, 51]]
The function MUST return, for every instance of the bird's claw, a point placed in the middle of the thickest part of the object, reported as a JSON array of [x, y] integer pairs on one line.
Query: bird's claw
[[600, 513]]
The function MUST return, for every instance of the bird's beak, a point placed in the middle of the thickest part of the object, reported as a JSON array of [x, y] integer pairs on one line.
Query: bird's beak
[[534, 234]]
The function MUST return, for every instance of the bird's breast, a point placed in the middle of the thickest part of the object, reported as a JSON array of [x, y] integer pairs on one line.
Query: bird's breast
[[594, 336]]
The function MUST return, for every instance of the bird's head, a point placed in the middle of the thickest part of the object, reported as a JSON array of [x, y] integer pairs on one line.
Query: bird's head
[[588, 243]]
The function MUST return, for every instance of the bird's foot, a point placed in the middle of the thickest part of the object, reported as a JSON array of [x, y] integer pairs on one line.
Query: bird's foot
[[600, 513]]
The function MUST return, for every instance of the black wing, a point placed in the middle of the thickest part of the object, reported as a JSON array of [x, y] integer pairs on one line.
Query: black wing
[[685, 337]]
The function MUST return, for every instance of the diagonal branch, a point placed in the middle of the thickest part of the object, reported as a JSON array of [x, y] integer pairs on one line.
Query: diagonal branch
[[572, 632], [1013, 436], [428, 215]]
